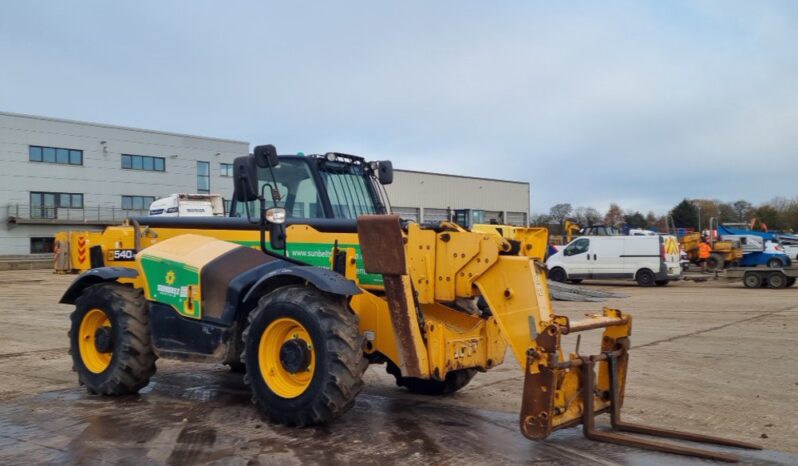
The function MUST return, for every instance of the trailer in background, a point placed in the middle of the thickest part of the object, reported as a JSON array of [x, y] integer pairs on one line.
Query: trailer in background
[[760, 277]]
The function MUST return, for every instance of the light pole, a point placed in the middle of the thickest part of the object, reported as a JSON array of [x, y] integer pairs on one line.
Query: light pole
[[699, 219], [698, 207]]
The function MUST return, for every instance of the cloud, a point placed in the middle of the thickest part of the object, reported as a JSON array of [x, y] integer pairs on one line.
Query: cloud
[[641, 103]]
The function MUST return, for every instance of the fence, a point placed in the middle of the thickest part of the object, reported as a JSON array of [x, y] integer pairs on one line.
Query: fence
[[26, 213]]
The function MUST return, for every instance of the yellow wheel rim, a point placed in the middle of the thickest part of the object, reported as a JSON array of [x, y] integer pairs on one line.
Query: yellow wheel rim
[[94, 360], [279, 379]]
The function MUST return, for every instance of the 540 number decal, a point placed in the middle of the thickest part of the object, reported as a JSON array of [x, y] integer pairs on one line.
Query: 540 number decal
[[121, 254]]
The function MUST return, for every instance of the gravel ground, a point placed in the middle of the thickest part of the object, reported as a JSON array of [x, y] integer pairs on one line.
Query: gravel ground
[[712, 357]]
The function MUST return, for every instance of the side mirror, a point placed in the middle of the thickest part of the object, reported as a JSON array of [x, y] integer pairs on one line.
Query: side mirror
[[385, 172], [245, 176], [266, 156]]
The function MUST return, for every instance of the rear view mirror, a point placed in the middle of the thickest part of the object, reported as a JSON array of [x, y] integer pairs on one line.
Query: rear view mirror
[[245, 174], [266, 156], [385, 172]]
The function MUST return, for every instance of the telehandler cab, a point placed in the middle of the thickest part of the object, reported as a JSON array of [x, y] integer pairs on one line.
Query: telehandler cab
[[449, 304]]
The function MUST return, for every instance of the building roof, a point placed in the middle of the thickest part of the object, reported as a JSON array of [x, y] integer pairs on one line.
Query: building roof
[[126, 128], [462, 176]]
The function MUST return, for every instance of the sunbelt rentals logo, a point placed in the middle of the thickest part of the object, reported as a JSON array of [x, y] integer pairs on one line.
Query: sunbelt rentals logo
[[169, 289]]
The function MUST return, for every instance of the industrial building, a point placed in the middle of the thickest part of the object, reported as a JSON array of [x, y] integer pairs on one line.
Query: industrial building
[[61, 174]]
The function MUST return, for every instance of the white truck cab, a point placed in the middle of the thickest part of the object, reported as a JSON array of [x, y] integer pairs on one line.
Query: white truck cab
[[649, 259], [188, 205]]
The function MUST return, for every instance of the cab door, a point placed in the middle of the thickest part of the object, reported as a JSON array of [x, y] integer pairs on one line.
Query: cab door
[[606, 255], [576, 258]]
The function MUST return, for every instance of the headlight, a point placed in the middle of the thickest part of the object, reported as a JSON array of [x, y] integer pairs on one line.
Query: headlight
[[275, 215]]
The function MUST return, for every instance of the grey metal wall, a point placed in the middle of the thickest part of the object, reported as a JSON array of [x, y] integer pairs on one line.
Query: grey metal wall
[[100, 179], [433, 193]]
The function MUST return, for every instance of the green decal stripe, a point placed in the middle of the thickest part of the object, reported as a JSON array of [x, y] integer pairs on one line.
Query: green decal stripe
[[318, 254]]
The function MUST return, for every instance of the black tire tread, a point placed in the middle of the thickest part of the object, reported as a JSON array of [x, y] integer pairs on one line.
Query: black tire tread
[[134, 359], [344, 345], [454, 381], [647, 273], [558, 274]]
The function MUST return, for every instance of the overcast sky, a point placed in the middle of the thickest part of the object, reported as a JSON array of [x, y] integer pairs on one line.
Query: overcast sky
[[640, 103]]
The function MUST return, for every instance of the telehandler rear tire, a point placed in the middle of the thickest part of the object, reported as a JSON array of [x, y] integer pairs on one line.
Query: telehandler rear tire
[[454, 381], [109, 340], [304, 356]]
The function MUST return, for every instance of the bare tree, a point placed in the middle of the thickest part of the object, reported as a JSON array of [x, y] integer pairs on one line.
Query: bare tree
[[559, 212], [614, 216]]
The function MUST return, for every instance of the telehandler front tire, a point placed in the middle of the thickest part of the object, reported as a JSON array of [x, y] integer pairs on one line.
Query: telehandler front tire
[[304, 356], [109, 340], [454, 381]]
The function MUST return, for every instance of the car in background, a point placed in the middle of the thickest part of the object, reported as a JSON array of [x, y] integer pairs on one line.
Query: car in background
[[791, 249], [758, 251]]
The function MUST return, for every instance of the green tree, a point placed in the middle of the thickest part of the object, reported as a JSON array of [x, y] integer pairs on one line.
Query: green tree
[[789, 216], [768, 215], [743, 209], [727, 213], [685, 215], [635, 220], [652, 220]]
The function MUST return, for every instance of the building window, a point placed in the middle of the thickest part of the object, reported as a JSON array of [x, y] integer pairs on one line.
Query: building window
[[203, 177], [46, 205], [226, 169], [137, 202], [227, 203], [55, 155], [143, 162], [42, 245]]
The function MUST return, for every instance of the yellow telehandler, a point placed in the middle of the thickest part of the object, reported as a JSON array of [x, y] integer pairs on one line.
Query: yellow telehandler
[[448, 303]]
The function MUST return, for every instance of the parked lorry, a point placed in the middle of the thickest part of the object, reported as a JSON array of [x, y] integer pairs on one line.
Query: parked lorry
[[649, 260]]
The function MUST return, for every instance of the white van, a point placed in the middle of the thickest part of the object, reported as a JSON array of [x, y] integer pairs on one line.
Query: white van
[[188, 205], [650, 260]]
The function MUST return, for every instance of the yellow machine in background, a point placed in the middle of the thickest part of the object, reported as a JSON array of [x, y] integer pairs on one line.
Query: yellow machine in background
[[724, 253]]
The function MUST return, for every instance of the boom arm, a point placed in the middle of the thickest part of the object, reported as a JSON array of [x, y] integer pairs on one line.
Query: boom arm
[[559, 391]]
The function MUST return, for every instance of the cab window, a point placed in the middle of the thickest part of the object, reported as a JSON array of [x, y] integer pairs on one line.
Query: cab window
[[299, 195], [579, 246], [348, 189]]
